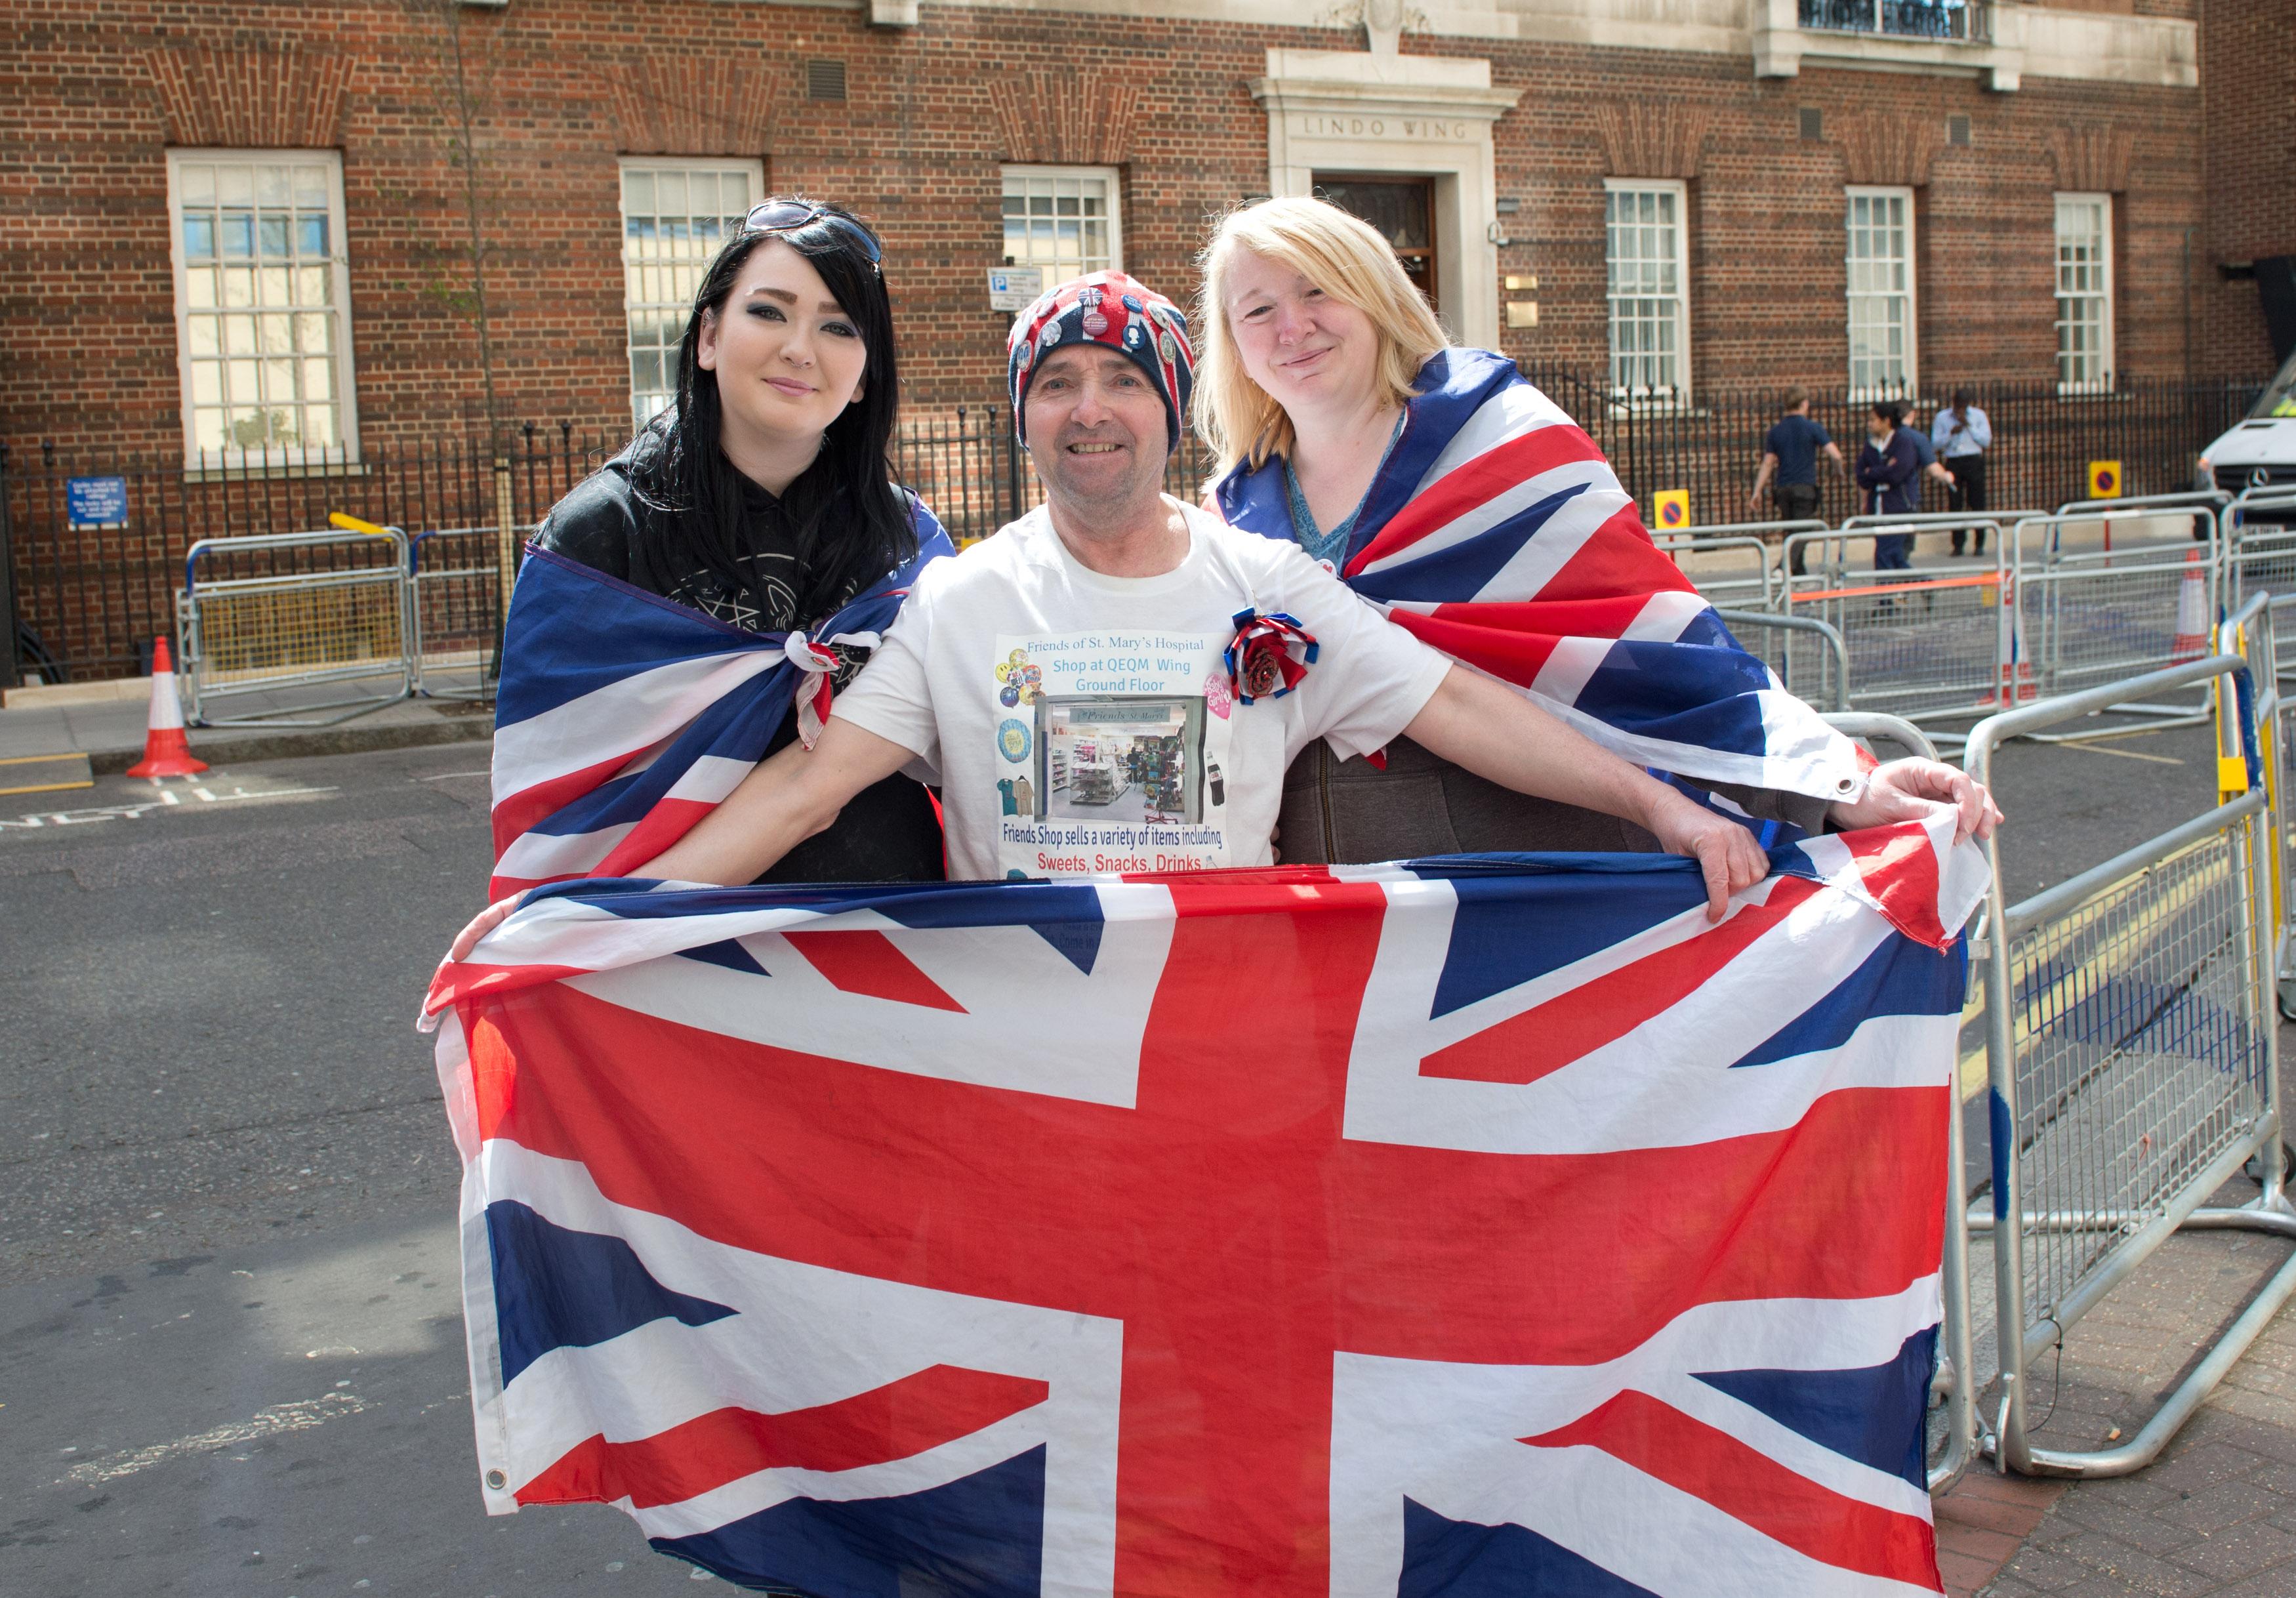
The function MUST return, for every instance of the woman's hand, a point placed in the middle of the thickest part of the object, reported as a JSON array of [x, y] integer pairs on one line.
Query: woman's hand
[[482, 923], [1727, 854], [1909, 790]]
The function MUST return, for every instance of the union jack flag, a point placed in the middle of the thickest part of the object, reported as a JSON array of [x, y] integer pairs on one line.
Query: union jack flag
[[622, 718], [1488, 1225], [1497, 532]]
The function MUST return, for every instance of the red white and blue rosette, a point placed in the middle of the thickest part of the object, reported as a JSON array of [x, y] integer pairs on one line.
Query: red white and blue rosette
[[1271, 653]]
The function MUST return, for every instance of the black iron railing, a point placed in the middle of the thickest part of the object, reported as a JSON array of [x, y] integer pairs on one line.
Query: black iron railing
[[86, 600], [1965, 21], [1710, 443]]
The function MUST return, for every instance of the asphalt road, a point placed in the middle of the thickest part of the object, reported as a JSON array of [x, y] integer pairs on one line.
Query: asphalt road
[[231, 1358]]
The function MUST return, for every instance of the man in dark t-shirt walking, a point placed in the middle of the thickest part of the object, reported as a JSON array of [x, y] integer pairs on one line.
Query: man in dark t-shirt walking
[[1790, 451]]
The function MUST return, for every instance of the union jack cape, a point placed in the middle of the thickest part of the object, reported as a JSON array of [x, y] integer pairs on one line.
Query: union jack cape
[[622, 718], [1497, 532], [1476, 1226]]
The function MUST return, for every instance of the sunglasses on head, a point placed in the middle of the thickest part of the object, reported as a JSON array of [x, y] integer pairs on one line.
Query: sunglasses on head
[[787, 216]]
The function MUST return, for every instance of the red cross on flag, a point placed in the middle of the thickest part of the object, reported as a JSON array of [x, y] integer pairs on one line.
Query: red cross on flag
[[1479, 1225]]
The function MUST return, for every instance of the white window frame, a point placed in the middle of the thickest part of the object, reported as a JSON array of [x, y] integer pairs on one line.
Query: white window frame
[[1056, 273], [1678, 392], [1907, 382], [2101, 381], [345, 449], [754, 172]]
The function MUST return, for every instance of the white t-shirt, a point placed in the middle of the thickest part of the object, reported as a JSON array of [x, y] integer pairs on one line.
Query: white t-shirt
[[1082, 723]]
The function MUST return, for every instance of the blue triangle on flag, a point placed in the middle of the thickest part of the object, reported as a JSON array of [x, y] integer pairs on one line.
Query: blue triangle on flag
[[1443, 1558], [1065, 914], [981, 1535], [1874, 1415], [556, 1288], [1079, 941], [1468, 566], [730, 953], [1508, 929], [1900, 978]]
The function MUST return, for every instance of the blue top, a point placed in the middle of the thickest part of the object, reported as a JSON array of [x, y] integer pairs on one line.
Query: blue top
[[1329, 547], [1796, 440], [1923, 450], [1892, 474], [1974, 439]]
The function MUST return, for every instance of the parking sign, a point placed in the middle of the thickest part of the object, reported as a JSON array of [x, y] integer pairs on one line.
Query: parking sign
[[1014, 288]]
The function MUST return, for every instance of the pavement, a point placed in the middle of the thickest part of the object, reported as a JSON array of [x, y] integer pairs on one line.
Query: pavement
[[230, 1354], [106, 722]]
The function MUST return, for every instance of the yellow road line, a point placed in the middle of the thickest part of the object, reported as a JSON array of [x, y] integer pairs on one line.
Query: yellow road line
[[2126, 754]]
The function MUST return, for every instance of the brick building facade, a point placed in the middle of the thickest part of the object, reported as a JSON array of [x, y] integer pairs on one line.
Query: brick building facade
[[2248, 90], [1690, 189]]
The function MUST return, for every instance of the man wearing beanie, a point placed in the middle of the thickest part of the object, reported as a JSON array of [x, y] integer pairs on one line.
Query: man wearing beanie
[[1116, 681]]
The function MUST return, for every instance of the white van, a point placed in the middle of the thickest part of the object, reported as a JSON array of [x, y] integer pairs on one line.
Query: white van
[[2260, 453]]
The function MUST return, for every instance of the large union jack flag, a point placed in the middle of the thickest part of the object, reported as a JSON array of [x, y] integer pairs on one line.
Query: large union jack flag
[[1497, 532], [1483, 1225], [623, 718]]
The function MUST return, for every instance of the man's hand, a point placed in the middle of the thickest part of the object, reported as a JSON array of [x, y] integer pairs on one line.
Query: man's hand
[[1727, 856], [1909, 790], [485, 921]]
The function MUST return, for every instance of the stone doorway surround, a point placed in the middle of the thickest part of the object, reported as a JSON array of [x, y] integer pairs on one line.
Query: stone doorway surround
[[1422, 115]]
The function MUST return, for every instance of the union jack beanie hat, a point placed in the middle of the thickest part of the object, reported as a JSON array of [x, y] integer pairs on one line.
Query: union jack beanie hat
[[1110, 309]]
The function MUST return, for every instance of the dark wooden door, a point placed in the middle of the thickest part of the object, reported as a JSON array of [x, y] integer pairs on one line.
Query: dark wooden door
[[1402, 211]]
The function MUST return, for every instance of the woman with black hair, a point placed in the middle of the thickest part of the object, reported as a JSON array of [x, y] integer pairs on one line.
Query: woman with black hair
[[762, 498]]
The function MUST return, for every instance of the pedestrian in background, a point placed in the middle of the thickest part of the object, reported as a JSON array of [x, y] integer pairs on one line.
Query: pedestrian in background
[[1889, 473], [1790, 451], [1962, 434], [1909, 419]]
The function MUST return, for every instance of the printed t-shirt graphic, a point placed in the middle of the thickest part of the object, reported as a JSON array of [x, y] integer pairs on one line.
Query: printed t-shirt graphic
[[1081, 723], [1117, 733]]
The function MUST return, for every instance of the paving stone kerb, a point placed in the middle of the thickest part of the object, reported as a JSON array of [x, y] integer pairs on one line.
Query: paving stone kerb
[[2215, 1515], [111, 734], [241, 745]]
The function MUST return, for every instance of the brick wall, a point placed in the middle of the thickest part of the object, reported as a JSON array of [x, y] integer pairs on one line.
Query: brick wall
[[94, 91], [2248, 69]]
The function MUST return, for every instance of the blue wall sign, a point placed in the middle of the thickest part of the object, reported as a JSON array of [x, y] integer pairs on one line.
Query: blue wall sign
[[95, 501]]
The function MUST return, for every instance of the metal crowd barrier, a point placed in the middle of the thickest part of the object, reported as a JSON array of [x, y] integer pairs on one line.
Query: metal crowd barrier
[[454, 589], [1729, 565], [246, 627], [2101, 508], [2259, 556], [2253, 632], [2132, 1059], [1926, 647], [1818, 672], [2083, 616]]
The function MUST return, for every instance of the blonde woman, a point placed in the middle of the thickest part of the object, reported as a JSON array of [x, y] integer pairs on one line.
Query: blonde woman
[[1462, 503]]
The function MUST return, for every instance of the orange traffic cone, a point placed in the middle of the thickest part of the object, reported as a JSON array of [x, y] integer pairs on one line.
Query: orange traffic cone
[[2191, 641], [166, 753]]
